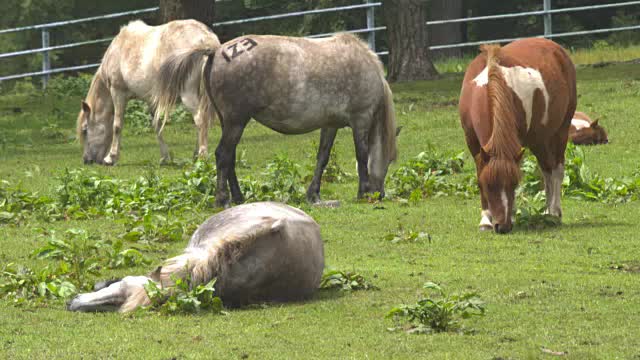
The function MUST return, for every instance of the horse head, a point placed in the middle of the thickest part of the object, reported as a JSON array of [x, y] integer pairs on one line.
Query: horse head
[[498, 181], [95, 131]]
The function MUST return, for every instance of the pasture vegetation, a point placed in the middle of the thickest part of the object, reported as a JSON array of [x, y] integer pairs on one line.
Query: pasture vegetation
[[545, 289]]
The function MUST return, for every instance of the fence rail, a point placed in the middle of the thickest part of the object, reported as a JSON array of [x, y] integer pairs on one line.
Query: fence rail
[[367, 5]]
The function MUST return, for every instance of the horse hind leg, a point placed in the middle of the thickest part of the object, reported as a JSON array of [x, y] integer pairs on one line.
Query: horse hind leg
[[165, 156], [225, 159], [327, 137]]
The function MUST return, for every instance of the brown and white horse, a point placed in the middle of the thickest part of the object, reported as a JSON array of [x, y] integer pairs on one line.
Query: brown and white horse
[[520, 95], [584, 131]]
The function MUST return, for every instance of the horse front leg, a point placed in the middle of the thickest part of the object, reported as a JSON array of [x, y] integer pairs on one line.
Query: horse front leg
[[129, 291], [119, 106], [327, 137], [361, 141], [552, 166], [225, 162]]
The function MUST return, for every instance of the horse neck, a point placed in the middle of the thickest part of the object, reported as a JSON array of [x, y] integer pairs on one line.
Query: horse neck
[[504, 142], [99, 96]]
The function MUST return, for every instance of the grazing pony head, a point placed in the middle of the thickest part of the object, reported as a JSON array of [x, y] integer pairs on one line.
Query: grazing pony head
[[501, 156], [95, 122], [382, 143], [593, 134]]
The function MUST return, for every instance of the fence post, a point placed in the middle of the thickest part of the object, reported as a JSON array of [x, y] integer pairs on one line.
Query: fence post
[[46, 63], [548, 25], [371, 35]]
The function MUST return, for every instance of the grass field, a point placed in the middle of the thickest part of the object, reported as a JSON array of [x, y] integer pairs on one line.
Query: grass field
[[555, 288]]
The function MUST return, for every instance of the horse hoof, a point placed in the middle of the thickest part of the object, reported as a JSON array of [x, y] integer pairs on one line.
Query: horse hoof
[[110, 160], [165, 161], [485, 228]]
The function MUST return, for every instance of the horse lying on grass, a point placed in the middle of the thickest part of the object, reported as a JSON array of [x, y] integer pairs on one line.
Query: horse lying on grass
[[128, 70], [258, 252], [521, 95], [584, 131], [293, 86]]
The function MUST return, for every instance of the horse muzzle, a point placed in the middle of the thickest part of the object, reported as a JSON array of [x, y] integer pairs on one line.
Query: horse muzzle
[[502, 228]]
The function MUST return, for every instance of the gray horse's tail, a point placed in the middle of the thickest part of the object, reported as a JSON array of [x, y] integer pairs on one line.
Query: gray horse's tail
[[389, 119], [172, 78]]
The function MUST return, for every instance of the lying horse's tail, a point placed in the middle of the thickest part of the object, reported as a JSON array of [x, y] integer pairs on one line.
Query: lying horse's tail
[[172, 78], [389, 120]]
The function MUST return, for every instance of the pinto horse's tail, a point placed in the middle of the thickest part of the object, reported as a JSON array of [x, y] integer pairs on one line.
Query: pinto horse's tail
[[389, 114], [172, 78]]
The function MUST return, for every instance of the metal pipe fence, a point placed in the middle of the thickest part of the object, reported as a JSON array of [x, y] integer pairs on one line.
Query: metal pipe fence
[[368, 6]]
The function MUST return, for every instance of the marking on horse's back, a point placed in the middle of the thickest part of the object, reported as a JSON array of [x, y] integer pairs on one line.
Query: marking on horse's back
[[524, 82], [580, 123]]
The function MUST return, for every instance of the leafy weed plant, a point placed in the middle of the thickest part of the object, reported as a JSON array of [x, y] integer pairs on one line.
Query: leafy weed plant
[[345, 281], [184, 298], [440, 314]]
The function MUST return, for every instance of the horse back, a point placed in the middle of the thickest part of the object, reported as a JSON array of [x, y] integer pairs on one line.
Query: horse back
[[275, 78], [543, 83], [135, 55]]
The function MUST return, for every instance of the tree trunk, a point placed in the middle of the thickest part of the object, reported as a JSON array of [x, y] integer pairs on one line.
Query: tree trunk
[[201, 10], [447, 33], [408, 40]]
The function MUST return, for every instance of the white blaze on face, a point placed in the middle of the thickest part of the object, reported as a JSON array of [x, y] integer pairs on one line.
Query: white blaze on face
[[580, 124], [505, 203], [524, 82]]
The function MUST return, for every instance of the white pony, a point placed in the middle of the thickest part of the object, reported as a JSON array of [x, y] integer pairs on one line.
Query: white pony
[[129, 69], [258, 252]]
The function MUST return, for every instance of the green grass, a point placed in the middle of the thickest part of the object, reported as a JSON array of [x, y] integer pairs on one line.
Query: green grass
[[553, 288]]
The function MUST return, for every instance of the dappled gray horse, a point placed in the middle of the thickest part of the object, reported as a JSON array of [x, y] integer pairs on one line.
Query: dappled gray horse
[[293, 86], [128, 70], [258, 252]]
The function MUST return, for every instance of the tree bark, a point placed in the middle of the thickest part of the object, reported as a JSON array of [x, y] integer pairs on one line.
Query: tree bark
[[201, 10], [446, 34], [408, 40]]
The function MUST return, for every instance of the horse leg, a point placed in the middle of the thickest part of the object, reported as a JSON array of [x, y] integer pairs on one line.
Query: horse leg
[[552, 165], [234, 186], [327, 137], [225, 160], [119, 106], [202, 120], [361, 141], [111, 297], [165, 157]]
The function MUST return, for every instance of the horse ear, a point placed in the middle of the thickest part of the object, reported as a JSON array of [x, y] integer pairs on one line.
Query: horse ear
[[155, 274], [519, 157], [398, 129], [85, 107], [595, 123]]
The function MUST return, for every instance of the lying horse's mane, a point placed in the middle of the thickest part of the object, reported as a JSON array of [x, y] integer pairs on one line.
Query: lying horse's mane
[[504, 145], [199, 266]]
